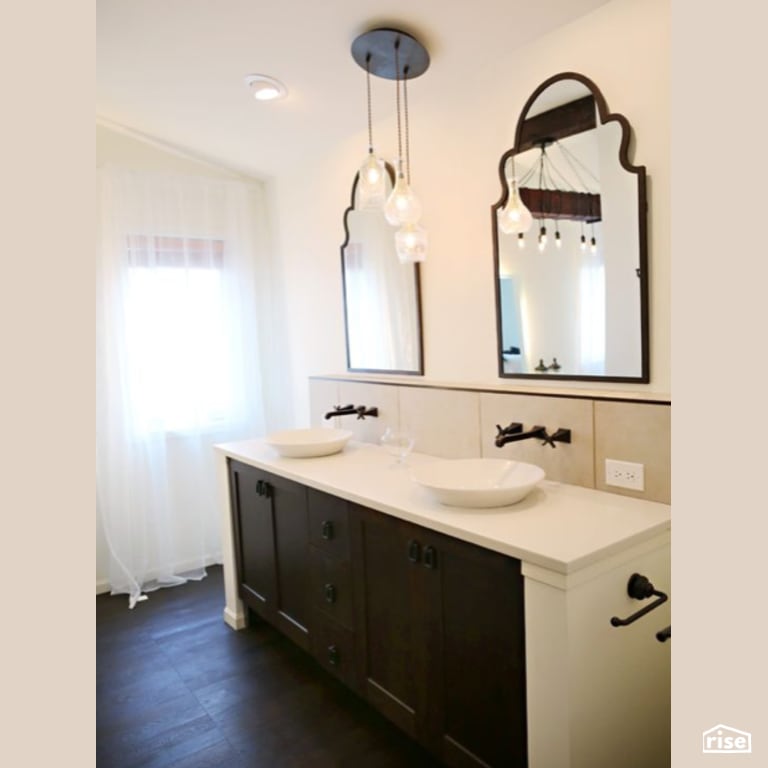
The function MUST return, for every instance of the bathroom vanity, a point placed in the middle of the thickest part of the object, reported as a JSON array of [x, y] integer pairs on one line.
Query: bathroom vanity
[[485, 635]]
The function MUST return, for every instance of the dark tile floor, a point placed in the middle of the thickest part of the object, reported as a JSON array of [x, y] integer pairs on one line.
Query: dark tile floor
[[177, 688]]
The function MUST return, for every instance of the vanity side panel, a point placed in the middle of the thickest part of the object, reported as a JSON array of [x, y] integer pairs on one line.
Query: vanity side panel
[[620, 676], [547, 675], [235, 614]]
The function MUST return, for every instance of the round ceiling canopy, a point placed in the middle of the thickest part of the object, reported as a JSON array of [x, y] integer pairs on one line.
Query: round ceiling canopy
[[375, 50]]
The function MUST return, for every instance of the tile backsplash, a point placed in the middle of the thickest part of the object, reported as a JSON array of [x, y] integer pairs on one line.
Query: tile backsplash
[[459, 422]]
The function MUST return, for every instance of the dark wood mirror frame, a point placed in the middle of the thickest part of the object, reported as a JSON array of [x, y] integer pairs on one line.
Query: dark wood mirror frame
[[531, 131], [419, 370]]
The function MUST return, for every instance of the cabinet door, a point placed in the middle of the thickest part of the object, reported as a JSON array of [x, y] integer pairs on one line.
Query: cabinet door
[[254, 539], [390, 630], [291, 537], [271, 534], [478, 677]]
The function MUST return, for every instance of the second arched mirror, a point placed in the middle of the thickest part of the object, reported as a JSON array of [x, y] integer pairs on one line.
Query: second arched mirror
[[382, 305], [570, 242]]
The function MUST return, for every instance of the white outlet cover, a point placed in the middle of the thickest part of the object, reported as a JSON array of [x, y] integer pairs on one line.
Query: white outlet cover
[[625, 474]]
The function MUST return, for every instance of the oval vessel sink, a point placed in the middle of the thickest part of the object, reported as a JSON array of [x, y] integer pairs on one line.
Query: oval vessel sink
[[307, 443], [478, 482]]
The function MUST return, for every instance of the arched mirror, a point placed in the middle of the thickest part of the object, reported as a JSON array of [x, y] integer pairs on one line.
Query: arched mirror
[[382, 305], [570, 242]]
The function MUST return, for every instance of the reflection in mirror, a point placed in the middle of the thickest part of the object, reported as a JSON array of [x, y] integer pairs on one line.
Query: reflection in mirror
[[382, 309], [572, 289]]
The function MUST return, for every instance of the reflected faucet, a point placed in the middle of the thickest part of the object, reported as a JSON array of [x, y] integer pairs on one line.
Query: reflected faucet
[[348, 410], [514, 432]]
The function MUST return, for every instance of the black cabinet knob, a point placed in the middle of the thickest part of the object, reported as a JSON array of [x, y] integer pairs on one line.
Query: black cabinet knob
[[330, 593], [430, 557], [326, 530], [414, 551], [334, 657]]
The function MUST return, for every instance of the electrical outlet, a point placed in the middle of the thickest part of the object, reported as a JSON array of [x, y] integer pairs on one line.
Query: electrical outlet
[[624, 474]]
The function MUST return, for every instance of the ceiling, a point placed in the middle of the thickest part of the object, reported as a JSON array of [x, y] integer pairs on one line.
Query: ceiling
[[174, 70]]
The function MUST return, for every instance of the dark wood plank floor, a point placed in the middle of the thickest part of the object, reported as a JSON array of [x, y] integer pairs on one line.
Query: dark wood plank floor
[[177, 688]]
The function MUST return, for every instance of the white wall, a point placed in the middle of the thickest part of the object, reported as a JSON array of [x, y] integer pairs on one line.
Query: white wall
[[460, 127]]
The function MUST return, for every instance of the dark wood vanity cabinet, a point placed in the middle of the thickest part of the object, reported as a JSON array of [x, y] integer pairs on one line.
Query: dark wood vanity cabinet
[[441, 639], [429, 629], [271, 537]]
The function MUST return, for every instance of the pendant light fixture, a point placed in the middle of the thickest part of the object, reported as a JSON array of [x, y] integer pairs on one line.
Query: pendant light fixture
[[514, 217], [371, 186], [396, 55], [554, 196]]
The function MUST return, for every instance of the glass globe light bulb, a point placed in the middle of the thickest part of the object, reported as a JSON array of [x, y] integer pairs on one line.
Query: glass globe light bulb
[[411, 243], [402, 206], [371, 189], [514, 217]]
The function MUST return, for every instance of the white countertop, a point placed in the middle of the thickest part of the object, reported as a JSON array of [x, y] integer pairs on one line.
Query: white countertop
[[560, 527]]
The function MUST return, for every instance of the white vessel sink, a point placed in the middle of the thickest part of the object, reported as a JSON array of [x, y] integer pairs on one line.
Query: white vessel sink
[[478, 482], [307, 443]]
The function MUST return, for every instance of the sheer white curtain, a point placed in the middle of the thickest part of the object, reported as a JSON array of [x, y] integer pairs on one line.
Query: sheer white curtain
[[177, 366]]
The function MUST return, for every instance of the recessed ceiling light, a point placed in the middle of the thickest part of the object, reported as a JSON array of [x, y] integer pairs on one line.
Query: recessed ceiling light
[[265, 88]]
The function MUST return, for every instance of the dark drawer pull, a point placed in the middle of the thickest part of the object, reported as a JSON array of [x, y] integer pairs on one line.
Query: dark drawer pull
[[327, 530], [330, 593], [334, 657], [263, 488], [430, 557], [414, 551]]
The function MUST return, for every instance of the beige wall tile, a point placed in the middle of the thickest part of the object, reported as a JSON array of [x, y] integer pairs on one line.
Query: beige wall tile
[[323, 395], [454, 423], [638, 432], [566, 463], [381, 396], [445, 422]]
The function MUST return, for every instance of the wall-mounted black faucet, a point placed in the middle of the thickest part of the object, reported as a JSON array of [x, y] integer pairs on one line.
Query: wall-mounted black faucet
[[348, 410], [514, 432]]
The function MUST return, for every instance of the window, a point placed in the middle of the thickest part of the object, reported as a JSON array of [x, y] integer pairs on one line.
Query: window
[[177, 366]]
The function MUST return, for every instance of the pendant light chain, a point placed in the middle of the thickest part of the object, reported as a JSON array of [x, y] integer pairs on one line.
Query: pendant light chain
[[399, 131], [368, 90], [407, 140]]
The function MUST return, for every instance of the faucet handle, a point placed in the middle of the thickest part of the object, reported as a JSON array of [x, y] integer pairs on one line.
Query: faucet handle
[[512, 429], [560, 435]]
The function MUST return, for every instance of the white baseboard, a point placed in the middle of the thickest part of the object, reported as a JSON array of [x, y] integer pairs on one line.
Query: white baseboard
[[235, 620], [102, 587]]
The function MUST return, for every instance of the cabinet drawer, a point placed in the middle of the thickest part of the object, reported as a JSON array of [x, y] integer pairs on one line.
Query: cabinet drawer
[[331, 586], [334, 647], [328, 523]]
